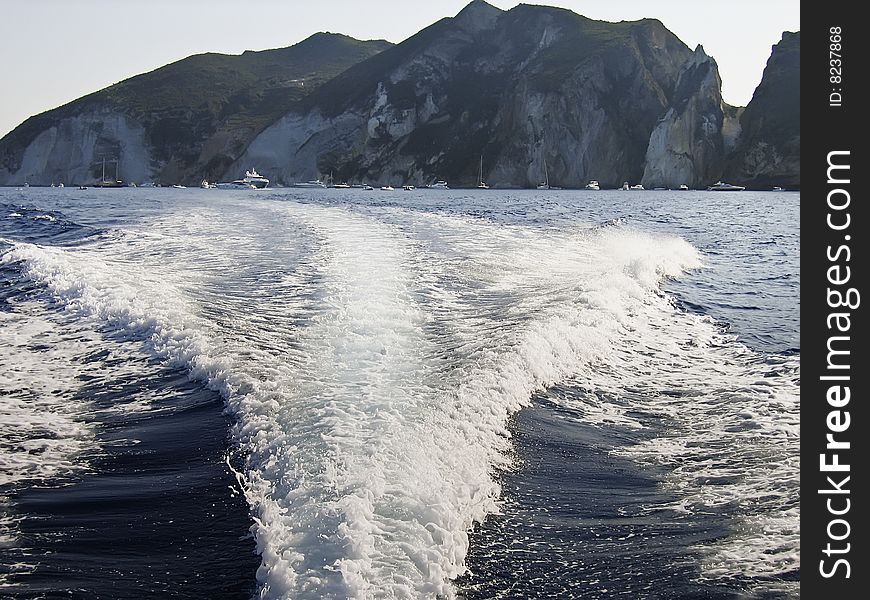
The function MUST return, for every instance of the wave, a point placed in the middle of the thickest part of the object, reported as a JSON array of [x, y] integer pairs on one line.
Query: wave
[[373, 361]]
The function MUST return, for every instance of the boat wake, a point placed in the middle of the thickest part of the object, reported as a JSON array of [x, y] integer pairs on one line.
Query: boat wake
[[372, 358]]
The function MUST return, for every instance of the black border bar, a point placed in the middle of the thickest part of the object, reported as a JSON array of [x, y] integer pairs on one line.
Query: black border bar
[[834, 367]]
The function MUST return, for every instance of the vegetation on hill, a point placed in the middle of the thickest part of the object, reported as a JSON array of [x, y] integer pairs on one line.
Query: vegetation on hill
[[530, 89], [183, 104], [479, 69]]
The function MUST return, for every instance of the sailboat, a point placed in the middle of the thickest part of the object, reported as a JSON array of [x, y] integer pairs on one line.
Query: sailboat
[[105, 183], [480, 183], [546, 183]]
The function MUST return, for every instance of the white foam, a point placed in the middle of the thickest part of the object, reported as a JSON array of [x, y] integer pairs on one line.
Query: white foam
[[43, 433], [40, 418], [48, 423], [373, 362], [726, 423]]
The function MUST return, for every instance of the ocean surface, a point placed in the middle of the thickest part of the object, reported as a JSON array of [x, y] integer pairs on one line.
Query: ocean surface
[[429, 394]]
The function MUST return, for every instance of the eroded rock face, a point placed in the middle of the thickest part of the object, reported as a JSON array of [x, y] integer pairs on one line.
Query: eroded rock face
[[180, 123], [688, 144], [72, 151], [767, 152], [531, 90], [531, 93]]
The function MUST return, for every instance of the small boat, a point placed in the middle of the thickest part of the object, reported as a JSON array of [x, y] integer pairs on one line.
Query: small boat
[[408, 188], [636, 187], [60, 185], [179, 187], [204, 184], [439, 185], [342, 186], [368, 187], [83, 187], [719, 186], [593, 185], [776, 188], [683, 187], [625, 186], [387, 188]]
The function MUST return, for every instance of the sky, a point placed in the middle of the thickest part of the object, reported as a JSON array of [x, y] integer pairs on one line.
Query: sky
[[58, 50]]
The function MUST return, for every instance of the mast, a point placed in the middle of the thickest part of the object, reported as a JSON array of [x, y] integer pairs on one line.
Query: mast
[[104, 170], [480, 174]]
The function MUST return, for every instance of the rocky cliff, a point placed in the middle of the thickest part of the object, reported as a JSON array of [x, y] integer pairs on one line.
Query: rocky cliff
[[768, 148], [506, 95], [526, 90], [185, 121], [688, 146]]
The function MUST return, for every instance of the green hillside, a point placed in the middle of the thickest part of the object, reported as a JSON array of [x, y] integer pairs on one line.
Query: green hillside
[[185, 103]]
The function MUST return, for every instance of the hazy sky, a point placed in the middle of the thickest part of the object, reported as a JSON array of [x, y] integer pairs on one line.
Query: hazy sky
[[58, 50]]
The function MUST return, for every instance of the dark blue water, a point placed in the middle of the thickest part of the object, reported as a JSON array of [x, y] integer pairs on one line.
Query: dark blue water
[[141, 502], [147, 512]]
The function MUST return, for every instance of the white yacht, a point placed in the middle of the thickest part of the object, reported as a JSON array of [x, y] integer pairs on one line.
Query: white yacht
[[683, 187], [439, 185], [387, 188], [254, 179], [593, 185], [408, 188], [719, 186], [637, 187]]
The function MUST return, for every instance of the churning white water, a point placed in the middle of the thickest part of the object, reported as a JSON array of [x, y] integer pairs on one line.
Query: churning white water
[[373, 356]]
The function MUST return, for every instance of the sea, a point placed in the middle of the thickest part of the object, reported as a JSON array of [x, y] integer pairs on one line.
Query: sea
[[341, 393]]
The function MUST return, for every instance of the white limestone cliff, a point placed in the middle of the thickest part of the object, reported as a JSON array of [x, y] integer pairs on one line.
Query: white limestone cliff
[[687, 145], [72, 151]]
